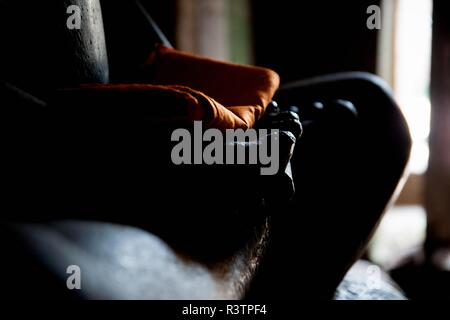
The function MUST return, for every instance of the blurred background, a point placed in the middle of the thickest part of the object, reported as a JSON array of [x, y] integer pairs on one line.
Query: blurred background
[[411, 51]]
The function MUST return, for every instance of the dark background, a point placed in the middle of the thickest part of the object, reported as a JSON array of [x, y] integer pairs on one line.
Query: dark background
[[300, 39]]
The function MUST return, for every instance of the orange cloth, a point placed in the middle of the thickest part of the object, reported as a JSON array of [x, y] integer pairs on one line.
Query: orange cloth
[[244, 91], [186, 88]]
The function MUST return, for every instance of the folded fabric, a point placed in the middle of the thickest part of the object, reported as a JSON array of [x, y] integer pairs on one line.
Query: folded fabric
[[171, 105], [244, 90], [184, 88]]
